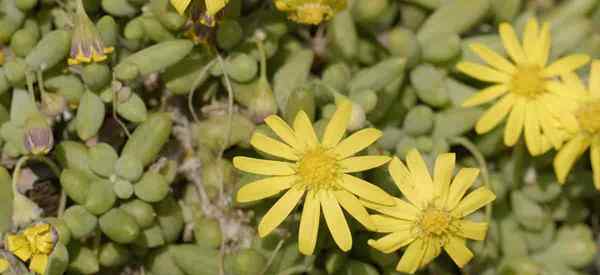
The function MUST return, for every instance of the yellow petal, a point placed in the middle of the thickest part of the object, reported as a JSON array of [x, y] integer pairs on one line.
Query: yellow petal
[[530, 39], [511, 43], [543, 46], [388, 224], [595, 158], [263, 167], [362, 163], [418, 169], [304, 130], [566, 65], [309, 224], [533, 132], [595, 79], [471, 230], [405, 182], [514, 125], [442, 174], [457, 250], [280, 210], [353, 206], [19, 246], [273, 147], [365, 190], [412, 257], [336, 128], [38, 263], [432, 250], [356, 142], [461, 183], [574, 85], [265, 188], [180, 5], [401, 210], [495, 114], [483, 73], [284, 131], [334, 217], [549, 127], [214, 6], [486, 95], [491, 57], [4, 265], [392, 242], [568, 154], [473, 201]]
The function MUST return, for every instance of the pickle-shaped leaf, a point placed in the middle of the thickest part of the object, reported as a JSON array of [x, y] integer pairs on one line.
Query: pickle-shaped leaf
[[90, 115], [76, 184], [80, 222], [133, 109], [58, 260], [291, 75], [149, 137], [152, 187], [102, 159], [119, 8], [195, 259], [453, 17], [141, 211], [6, 201], [378, 76], [101, 197], [113, 255], [119, 226], [170, 218], [153, 59], [52, 49], [82, 260], [160, 262], [23, 107]]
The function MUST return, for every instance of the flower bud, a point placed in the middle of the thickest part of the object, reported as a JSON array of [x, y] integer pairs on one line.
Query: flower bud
[[38, 139], [87, 44]]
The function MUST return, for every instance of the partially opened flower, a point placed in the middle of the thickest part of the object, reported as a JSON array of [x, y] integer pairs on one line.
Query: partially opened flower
[[310, 11], [583, 124], [86, 45], [203, 11], [432, 217], [524, 87], [33, 244], [317, 172]]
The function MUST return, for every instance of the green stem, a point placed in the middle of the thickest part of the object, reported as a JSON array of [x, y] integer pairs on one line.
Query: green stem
[[197, 81], [273, 255]]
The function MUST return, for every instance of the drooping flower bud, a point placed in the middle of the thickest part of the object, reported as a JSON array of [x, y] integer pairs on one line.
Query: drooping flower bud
[[310, 11], [38, 138], [86, 44]]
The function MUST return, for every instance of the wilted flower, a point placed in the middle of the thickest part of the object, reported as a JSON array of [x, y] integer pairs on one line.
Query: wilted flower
[[310, 11], [318, 169], [38, 138], [526, 87], [33, 244], [86, 45], [433, 215]]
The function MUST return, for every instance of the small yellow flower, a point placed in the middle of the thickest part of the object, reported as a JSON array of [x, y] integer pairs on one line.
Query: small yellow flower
[[583, 124], [34, 244], [203, 11], [318, 169], [433, 215], [310, 11], [525, 86], [4, 265], [86, 45]]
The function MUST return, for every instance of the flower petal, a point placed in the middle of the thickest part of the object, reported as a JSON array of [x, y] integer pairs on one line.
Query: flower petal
[[471, 230], [353, 206], [304, 130], [432, 250], [457, 250], [264, 188], [365, 190], [483, 73], [362, 163], [486, 95], [387, 224], [412, 257], [461, 183], [442, 174], [595, 159], [473, 201], [284, 131], [493, 116], [566, 65], [530, 39], [214, 6], [594, 84], [38, 263], [336, 128], [568, 154], [19, 246], [273, 147], [263, 167], [309, 224], [336, 222], [418, 169], [533, 131], [280, 210], [392, 242], [543, 46], [511, 43], [491, 57], [356, 142], [405, 182], [514, 125], [401, 210], [180, 5], [549, 126]]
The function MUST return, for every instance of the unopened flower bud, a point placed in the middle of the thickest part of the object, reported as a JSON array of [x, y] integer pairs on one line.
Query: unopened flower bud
[[38, 138], [86, 44], [53, 104]]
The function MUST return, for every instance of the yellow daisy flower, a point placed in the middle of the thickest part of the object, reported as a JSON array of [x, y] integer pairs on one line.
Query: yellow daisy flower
[[433, 215], [523, 86], [35, 244], [310, 11], [318, 169], [583, 124], [86, 44]]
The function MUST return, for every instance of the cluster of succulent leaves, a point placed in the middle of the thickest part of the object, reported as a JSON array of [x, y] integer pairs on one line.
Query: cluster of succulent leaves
[[123, 132]]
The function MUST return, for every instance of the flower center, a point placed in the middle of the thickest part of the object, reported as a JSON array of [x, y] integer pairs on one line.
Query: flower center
[[318, 169], [528, 81], [435, 221], [588, 116]]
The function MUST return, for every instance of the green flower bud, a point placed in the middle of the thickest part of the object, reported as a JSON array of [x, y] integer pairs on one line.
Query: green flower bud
[[194, 259], [229, 34], [148, 138], [170, 218], [129, 167], [80, 222], [76, 184], [119, 226], [142, 212], [58, 261], [67, 85], [152, 187], [153, 59], [123, 189], [82, 260], [133, 109], [101, 198], [38, 138], [51, 50], [207, 232], [160, 262], [14, 70], [22, 42], [113, 255], [90, 115], [418, 121], [150, 237], [64, 234]]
